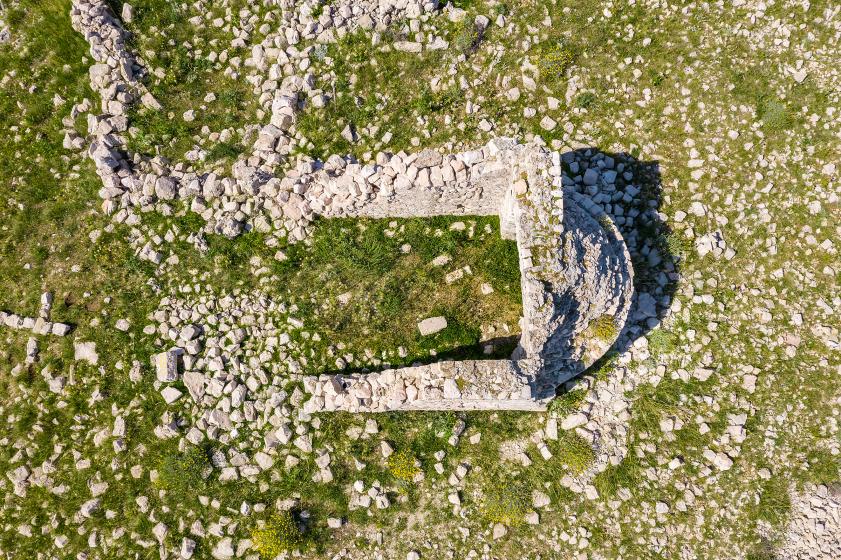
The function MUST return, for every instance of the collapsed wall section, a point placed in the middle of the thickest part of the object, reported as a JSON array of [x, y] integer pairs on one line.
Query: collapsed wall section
[[418, 185]]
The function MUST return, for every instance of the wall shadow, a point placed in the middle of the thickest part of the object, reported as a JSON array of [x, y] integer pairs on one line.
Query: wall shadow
[[502, 348], [633, 202]]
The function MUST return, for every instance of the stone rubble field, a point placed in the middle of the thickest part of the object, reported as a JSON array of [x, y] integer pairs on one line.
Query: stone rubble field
[[229, 225]]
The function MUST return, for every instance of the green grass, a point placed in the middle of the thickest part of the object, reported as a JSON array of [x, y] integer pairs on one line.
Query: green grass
[[159, 33], [604, 328], [573, 452], [660, 342], [774, 114], [185, 472], [568, 402], [391, 291], [506, 503], [774, 501], [279, 534]]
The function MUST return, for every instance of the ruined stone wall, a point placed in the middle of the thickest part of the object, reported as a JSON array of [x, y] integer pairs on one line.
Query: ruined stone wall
[[423, 184], [575, 271], [574, 265], [457, 385]]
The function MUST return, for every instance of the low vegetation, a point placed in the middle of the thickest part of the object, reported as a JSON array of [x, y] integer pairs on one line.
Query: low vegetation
[[727, 416]]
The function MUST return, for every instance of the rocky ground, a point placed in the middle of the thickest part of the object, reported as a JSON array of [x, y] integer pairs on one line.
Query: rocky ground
[[814, 526], [709, 133]]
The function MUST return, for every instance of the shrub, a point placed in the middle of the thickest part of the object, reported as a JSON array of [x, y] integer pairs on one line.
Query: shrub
[[466, 36], [677, 245], [606, 222], [402, 466], [565, 404], [317, 10], [574, 452], [555, 61], [507, 505], [429, 101], [277, 535], [660, 342], [585, 100], [603, 366], [774, 115], [604, 328]]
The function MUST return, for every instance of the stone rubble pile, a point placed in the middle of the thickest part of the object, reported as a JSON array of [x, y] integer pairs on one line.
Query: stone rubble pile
[[40, 325], [233, 353], [253, 197], [814, 529], [607, 186], [587, 188], [458, 385]]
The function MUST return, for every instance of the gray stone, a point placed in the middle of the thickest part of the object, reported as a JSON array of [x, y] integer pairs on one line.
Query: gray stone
[[61, 329], [166, 188], [127, 13], [428, 158], [548, 123], [166, 365], [194, 381], [189, 332], [224, 549], [170, 394], [88, 508], [188, 547], [574, 420]]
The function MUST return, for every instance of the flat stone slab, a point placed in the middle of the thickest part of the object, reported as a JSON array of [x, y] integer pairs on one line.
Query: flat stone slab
[[432, 325], [166, 365]]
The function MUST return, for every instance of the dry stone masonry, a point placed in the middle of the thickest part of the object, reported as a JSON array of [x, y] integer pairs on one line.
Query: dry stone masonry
[[231, 366], [815, 525]]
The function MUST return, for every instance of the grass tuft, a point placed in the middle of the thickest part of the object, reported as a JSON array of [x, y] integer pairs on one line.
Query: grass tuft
[[184, 473], [574, 451], [507, 504], [402, 466]]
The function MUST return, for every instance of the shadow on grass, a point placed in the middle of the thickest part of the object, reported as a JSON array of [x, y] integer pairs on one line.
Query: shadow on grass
[[500, 348]]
